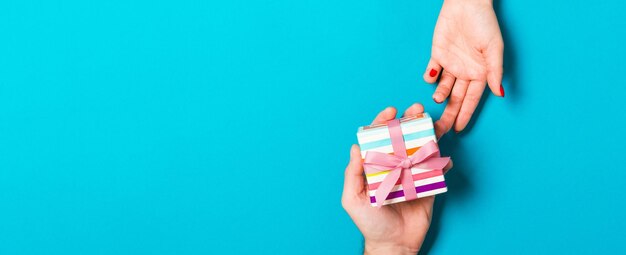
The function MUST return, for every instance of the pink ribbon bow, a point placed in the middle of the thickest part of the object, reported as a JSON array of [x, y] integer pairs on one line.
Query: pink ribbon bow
[[400, 164]]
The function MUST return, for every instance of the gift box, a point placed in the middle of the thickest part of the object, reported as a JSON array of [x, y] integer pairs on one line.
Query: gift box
[[401, 160]]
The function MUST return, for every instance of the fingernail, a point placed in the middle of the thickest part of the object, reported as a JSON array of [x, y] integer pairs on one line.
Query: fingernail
[[432, 73], [435, 99], [501, 90]]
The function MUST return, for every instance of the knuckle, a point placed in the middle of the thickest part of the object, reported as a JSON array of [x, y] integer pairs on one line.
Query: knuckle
[[454, 70], [443, 126], [443, 90], [455, 97], [496, 73], [447, 75], [473, 98], [465, 114]]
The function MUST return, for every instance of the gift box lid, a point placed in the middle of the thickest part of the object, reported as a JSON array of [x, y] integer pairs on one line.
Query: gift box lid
[[413, 127], [422, 116]]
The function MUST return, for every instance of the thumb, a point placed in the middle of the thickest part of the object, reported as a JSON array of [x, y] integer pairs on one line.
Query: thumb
[[354, 182]]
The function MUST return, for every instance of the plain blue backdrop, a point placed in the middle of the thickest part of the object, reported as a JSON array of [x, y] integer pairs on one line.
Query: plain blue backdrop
[[223, 127]]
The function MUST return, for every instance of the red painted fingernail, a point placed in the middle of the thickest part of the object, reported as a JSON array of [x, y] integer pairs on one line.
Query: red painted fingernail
[[501, 90], [432, 73]]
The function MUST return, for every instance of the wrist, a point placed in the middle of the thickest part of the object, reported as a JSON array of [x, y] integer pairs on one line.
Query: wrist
[[387, 249]]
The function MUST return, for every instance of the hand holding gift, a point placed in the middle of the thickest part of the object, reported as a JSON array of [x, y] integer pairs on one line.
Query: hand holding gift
[[394, 228]]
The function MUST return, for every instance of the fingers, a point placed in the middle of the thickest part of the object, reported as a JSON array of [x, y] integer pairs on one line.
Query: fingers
[[415, 109], [493, 56], [444, 87], [470, 102], [448, 117], [353, 183], [432, 71], [386, 115], [448, 167]]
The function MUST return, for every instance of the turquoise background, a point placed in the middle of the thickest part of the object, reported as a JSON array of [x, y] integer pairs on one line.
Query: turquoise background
[[223, 127]]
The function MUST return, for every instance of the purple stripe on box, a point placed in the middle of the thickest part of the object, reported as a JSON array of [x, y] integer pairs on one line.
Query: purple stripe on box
[[427, 187]]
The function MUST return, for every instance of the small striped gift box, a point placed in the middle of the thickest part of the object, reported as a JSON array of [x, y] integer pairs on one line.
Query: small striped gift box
[[416, 131]]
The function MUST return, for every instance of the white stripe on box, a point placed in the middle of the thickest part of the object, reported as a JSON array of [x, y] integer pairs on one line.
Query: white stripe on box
[[419, 195], [408, 144], [432, 192]]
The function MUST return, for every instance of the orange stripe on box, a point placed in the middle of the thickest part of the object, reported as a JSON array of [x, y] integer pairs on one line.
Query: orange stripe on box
[[412, 150], [420, 176]]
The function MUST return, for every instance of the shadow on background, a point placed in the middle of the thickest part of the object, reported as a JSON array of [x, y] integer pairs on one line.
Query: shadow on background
[[460, 185], [458, 182]]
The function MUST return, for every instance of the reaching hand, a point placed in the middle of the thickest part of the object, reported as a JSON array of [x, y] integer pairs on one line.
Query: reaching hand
[[392, 229], [468, 46]]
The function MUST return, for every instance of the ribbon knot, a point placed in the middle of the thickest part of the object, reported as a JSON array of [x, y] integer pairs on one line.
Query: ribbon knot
[[405, 164], [399, 165]]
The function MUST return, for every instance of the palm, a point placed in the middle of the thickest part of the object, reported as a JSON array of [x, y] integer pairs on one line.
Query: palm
[[405, 222], [462, 37]]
